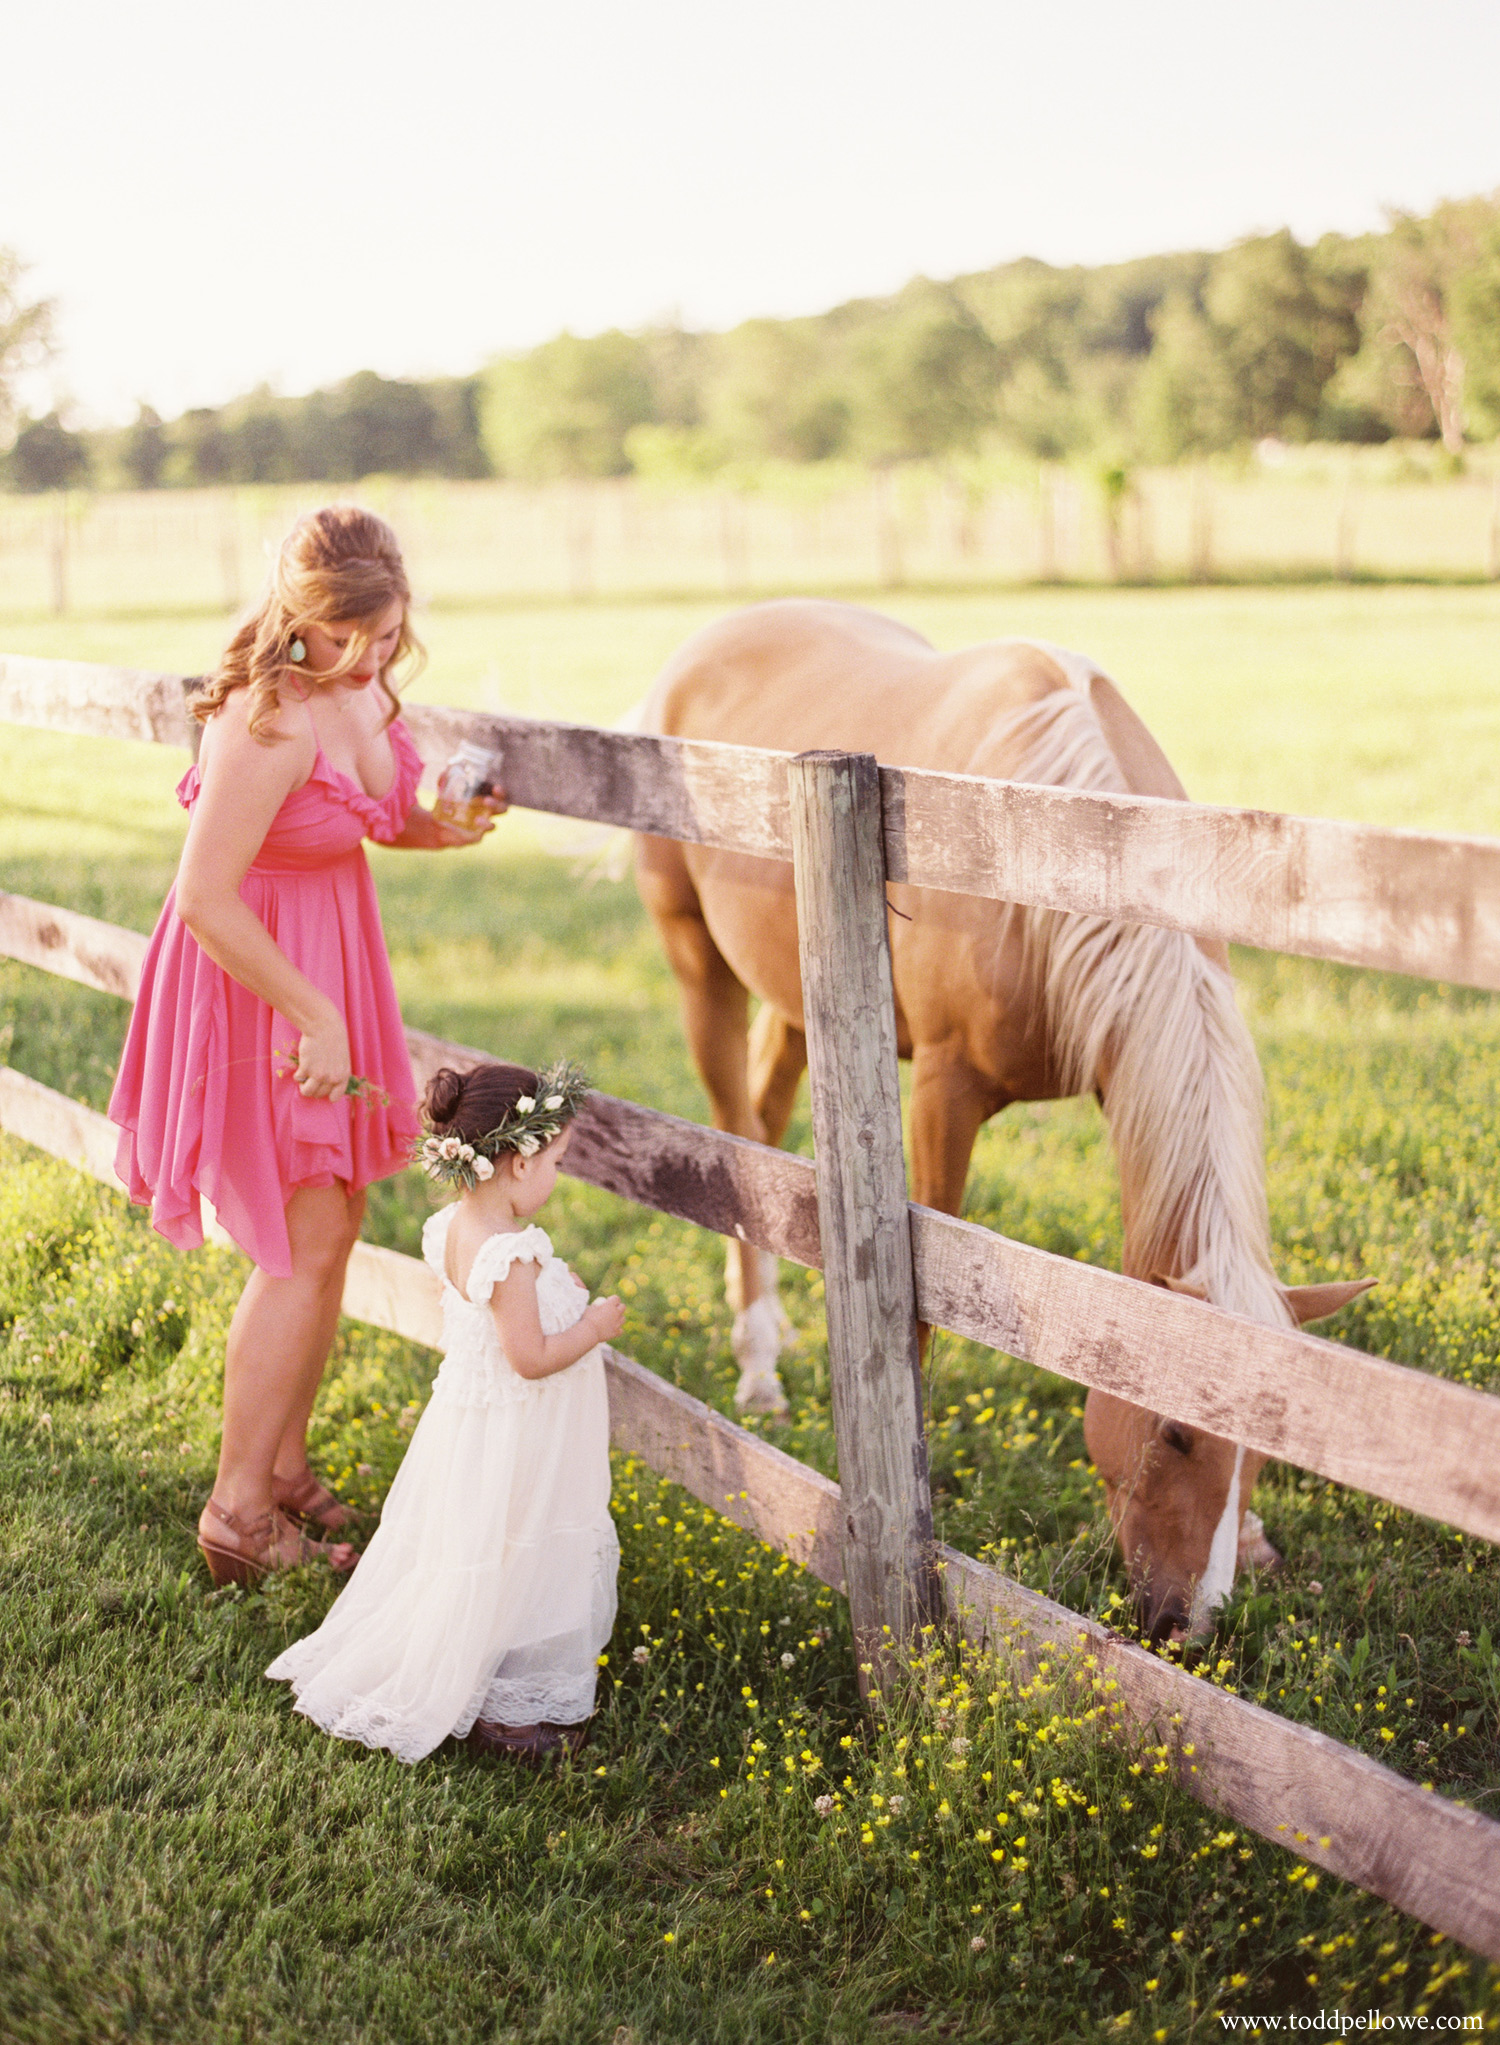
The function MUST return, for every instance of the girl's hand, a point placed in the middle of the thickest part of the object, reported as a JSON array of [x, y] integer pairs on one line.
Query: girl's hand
[[323, 1066], [606, 1317]]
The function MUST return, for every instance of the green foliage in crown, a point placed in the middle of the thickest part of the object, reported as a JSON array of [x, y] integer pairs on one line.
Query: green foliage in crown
[[534, 1122]]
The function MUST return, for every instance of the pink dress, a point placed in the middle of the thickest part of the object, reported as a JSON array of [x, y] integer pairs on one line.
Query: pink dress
[[205, 1099]]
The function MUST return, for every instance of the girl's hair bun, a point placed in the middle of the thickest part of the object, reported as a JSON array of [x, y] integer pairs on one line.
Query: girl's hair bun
[[445, 1090]]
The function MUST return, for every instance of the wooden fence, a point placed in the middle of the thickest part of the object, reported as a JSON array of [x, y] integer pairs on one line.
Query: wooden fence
[[1392, 899], [818, 528]]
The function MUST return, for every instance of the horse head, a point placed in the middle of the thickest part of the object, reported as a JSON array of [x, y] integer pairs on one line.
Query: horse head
[[1178, 1495]]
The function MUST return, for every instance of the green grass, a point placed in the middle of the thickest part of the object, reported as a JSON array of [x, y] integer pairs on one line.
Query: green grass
[[182, 1858]]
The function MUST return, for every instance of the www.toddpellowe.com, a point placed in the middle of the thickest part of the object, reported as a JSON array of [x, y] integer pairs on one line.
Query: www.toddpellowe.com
[[1336, 2023]]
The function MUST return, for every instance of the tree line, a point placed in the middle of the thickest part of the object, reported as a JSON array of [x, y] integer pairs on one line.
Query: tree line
[[1164, 359]]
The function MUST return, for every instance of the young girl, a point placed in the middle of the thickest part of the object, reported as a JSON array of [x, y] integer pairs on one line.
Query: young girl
[[266, 987], [482, 1603]]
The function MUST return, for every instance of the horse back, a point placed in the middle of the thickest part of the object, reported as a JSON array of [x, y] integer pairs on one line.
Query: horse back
[[806, 673]]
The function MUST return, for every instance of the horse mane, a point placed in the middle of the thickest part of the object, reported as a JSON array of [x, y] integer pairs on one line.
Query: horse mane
[[1140, 1014]]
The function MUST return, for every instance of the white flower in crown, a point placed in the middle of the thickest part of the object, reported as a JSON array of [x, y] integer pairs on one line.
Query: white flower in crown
[[449, 1147], [525, 1105], [483, 1169], [528, 1146], [466, 1152], [553, 1101]]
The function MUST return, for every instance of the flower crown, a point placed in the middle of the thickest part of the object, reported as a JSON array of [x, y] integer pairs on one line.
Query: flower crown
[[533, 1123]]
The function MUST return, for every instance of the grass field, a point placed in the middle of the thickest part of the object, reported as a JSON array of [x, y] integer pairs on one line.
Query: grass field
[[181, 1858]]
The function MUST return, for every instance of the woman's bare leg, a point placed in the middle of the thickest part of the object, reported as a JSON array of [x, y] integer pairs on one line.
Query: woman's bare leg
[[291, 1451], [278, 1344]]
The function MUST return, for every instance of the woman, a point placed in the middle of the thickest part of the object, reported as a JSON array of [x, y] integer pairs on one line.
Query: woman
[[267, 988]]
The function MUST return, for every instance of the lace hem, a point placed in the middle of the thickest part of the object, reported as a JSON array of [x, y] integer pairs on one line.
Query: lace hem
[[372, 1727], [358, 1718], [537, 1700]]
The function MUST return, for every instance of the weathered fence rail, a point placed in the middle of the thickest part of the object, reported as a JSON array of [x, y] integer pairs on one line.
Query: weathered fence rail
[[1399, 901], [1396, 900]]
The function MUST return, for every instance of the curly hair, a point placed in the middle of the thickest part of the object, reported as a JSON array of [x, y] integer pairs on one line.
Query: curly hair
[[340, 565]]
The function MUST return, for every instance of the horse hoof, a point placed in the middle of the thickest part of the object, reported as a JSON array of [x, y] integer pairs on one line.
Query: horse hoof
[[760, 1394], [1254, 1550]]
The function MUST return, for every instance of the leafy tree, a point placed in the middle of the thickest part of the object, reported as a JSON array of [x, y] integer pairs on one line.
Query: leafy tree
[[46, 456], [381, 426], [770, 394], [26, 333], [923, 380], [457, 447], [675, 455], [565, 408], [1282, 326], [1185, 401], [144, 450], [260, 439], [201, 450], [1473, 297], [1430, 304]]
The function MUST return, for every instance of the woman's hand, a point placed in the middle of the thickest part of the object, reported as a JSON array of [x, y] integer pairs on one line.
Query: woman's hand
[[606, 1317], [424, 832], [322, 1070]]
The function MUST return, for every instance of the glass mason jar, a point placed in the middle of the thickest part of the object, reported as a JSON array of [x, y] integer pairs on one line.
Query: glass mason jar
[[472, 774]]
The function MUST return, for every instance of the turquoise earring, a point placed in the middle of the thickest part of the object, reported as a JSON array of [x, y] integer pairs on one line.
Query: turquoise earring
[[297, 652]]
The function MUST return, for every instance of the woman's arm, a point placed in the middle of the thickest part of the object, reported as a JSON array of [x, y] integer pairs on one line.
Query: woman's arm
[[531, 1353], [243, 785]]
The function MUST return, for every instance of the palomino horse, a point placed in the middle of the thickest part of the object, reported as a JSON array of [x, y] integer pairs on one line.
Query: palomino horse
[[995, 1003]]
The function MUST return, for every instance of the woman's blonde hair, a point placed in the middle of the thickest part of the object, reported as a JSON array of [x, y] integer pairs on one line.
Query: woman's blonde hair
[[337, 566]]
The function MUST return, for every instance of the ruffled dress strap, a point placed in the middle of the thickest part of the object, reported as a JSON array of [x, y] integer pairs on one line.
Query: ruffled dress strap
[[386, 817], [496, 1255]]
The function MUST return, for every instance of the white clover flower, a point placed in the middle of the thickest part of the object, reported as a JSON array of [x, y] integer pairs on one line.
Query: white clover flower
[[896, 1805], [483, 1169], [528, 1146], [822, 1805], [640, 1654], [978, 1943], [553, 1101], [787, 1660], [525, 1105], [959, 1746]]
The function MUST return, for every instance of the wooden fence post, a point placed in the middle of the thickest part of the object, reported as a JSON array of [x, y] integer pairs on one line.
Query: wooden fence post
[[874, 1366], [58, 555]]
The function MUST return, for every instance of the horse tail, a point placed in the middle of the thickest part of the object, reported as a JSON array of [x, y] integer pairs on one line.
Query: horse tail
[[1143, 1017]]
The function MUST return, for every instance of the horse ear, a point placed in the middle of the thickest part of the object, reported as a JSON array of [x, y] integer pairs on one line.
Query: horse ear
[[1188, 1285], [1316, 1302]]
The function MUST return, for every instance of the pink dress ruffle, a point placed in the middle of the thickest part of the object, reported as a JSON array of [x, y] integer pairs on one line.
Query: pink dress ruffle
[[205, 1099]]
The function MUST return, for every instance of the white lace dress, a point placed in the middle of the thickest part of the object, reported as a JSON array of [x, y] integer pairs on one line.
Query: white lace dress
[[488, 1590]]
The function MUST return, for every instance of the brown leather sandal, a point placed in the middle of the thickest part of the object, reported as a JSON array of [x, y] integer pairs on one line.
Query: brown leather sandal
[[307, 1503], [532, 1744], [256, 1549]]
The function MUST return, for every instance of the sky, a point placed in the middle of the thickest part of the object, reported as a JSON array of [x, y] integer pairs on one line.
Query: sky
[[220, 196]]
